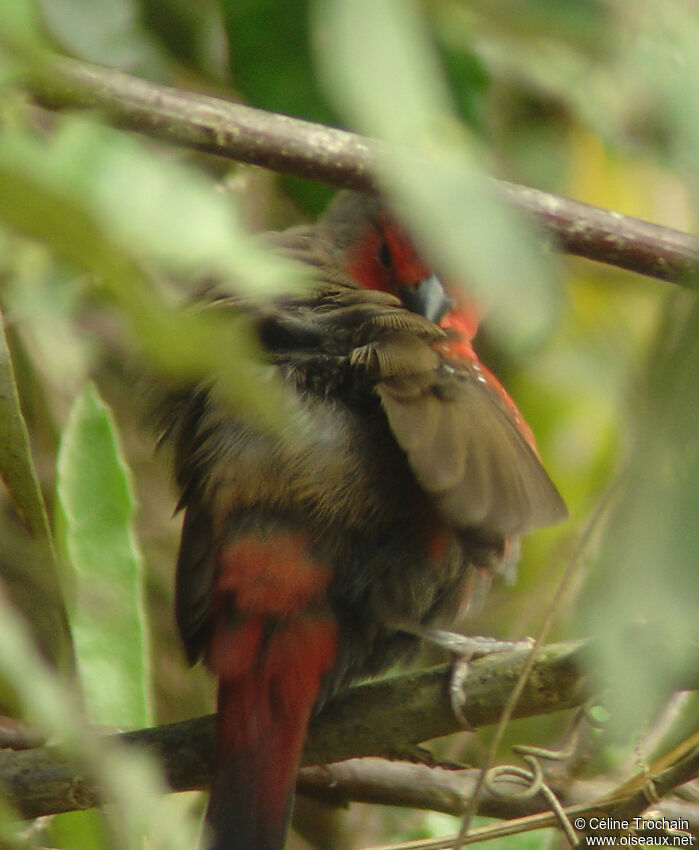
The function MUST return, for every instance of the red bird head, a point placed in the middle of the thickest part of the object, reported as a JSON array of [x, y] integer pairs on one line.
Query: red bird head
[[380, 254]]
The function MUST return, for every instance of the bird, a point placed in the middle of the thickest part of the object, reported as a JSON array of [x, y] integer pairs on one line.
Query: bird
[[319, 553]]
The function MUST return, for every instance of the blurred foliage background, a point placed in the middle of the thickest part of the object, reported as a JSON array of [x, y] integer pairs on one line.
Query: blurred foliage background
[[102, 232]]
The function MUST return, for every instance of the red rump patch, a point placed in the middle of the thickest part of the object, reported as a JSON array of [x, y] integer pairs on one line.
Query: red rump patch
[[274, 576]]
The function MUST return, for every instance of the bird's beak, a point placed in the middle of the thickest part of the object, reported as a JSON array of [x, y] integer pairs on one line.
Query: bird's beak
[[428, 298]]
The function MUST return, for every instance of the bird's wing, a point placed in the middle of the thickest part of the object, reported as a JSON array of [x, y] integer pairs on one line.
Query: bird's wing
[[459, 436]]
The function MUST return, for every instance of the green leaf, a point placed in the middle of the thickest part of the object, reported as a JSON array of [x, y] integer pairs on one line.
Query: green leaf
[[45, 301], [109, 32], [81, 830], [151, 207], [29, 581], [582, 25], [28, 571], [659, 71], [469, 80], [20, 28], [641, 598], [269, 42], [190, 31], [95, 500], [130, 779], [70, 194], [16, 464], [385, 77]]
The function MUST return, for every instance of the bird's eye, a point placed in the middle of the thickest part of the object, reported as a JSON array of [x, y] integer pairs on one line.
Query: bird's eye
[[384, 256]]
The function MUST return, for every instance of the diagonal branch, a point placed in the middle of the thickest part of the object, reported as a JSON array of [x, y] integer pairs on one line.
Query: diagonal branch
[[342, 159], [387, 718]]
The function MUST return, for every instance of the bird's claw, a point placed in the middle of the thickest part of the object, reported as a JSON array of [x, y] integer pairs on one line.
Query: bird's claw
[[464, 649]]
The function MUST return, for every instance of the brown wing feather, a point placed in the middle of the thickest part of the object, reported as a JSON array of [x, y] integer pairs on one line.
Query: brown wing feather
[[464, 448]]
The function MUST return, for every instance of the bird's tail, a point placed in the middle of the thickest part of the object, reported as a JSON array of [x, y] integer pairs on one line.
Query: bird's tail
[[253, 781], [271, 668]]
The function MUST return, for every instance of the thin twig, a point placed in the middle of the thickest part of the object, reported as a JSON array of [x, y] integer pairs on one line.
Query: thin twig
[[342, 159], [617, 807], [517, 691]]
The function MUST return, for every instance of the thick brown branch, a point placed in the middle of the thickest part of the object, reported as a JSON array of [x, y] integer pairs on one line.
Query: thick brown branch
[[343, 159], [386, 717], [380, 718], [610, 237], [210, 124]]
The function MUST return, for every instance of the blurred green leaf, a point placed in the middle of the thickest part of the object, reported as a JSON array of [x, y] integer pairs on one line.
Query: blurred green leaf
[[16, 464], [20, 28], [155, 208], [8, 827], [628, 71], [539, 839], [109, 32], [580, 24], [128, 778], [82, 830], [97, 512], [541, 50], [469, 80], [646, 575], [270, 57], [28, 570], [43, 300], [659, 73], [29, 580], [104, 204], [385, 77], [192, 32]]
